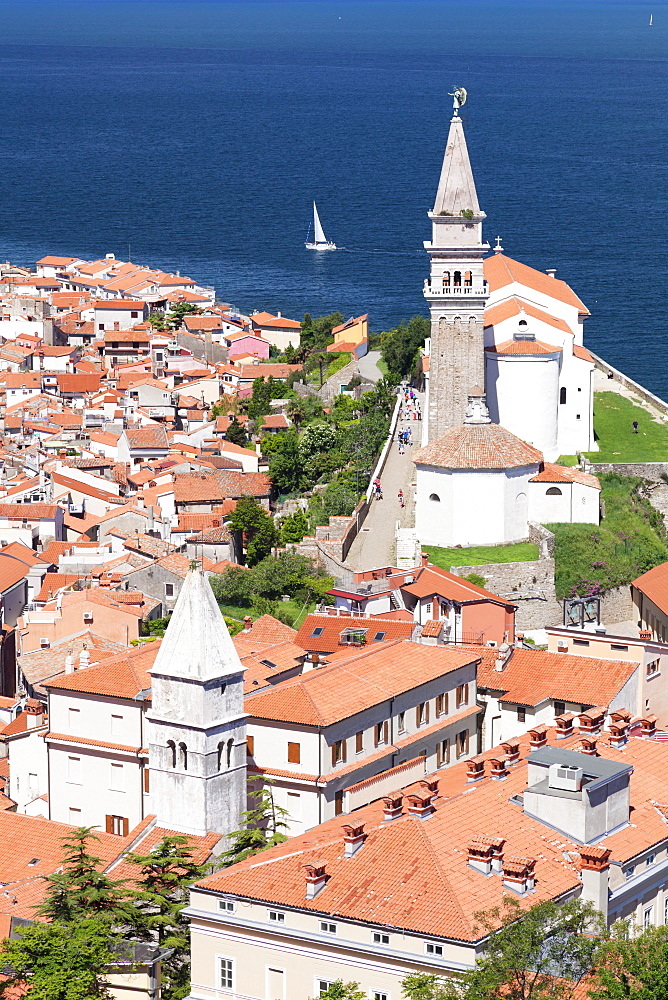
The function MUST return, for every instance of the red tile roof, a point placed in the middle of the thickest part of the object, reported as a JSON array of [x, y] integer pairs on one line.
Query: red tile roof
[[563, 474], [582, 353], [654, 585], [123, 676], [515, 307], [478, 446], [523, 348], [330, 628], [501, 271]]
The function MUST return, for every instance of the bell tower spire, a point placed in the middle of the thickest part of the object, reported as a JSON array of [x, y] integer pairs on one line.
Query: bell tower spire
[[456, 290]]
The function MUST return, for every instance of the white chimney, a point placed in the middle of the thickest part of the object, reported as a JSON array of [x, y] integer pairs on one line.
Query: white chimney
[[69, 663]]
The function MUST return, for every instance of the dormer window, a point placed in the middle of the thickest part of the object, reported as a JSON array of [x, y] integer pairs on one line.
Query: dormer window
[[630, 871]]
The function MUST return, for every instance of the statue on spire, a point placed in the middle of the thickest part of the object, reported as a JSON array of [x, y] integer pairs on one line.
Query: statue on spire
[[458, 99]]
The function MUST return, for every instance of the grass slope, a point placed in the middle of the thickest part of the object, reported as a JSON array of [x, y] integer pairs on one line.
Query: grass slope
[[630, 539], [613, 425], [479, 555]]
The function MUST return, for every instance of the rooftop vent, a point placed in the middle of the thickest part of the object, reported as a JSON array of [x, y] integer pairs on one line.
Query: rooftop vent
[[565, 776]]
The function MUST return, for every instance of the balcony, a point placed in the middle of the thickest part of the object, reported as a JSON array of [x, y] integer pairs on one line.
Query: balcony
[[448, 291]]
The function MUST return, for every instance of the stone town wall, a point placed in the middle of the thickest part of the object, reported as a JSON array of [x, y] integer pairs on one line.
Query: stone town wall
[[528, 585], [617, 376], [617, 605], [645, 470]]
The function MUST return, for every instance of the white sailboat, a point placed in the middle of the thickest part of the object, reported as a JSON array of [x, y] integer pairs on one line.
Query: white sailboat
[[320, 241], [650, 20]]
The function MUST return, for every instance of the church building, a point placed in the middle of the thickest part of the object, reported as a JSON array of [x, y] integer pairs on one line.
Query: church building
[[509, 386]]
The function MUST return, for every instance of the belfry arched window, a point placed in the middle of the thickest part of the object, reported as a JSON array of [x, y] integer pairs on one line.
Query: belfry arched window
[[228, 760], [458, 279], [435, 497], [183, 754], [468, 279], [221, 747], [562, 394], [446, 278], [171, 746]]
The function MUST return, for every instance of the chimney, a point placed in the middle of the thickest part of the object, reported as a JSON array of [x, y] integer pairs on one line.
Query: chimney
[[429, 786], [537, 737], [311, 661], [69, 663], [353, 838], [34, 713], [502, 656], [424, 556], [648, 727], [587, 745], [475, 769], [564, 724], [316, 878], [392, 806], [551, 271], [511, 748], [595, 866], [646, 635], [591, 721], [518, 874], [151, 523], [84, 659], [419, 805], [497, 845], [480, 852], [620, 715], [498, 770], [619, 734]]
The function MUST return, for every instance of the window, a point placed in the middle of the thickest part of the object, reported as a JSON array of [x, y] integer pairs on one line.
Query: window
[[553, 491], [462, 695], [379, 995], [250, 745], [74, 816], [651, 858], [74, 770], [401, 722], [117, 781], [379, 636], [327, 928], [433, 949], [338, 752], [276, 916], [317, 631], [442, 704], [323, 985], [665, 909], [434, 497], [442, 753], [652, 668], [147, 780], [619, 646], [562, 394], [580, 642], [577, 417], [116, 725], [427, 608], [183, 756], [559, 707], [228, 753], [171, 746], [380, 733], [74, 718], [294, 753], [648, 918], [422, 714], [359, 742], [380, 938], [338, 803], [462, 742], [294, 805], [226, 973], [521, 714], [117, 825], [630, 871], [169, 590], [226, 905], [134, 314]]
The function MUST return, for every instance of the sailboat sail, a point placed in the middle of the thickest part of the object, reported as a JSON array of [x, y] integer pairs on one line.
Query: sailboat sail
[[319, 235]]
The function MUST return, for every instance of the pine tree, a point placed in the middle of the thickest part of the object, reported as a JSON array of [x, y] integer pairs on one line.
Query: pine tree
[[80, 889], [235, 434], [263, 825], [162, 893]]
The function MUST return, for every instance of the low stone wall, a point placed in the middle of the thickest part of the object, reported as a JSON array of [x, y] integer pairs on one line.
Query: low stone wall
[[617, 606], [645, 470], [543, 538], [528, 585]]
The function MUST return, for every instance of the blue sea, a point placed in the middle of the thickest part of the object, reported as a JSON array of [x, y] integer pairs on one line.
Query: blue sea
[[195, 135]]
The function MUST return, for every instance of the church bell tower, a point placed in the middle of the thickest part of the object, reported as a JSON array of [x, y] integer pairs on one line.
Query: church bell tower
[[456, 289]]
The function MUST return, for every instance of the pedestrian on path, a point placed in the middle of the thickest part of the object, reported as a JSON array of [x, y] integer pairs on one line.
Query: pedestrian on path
[[400, 498], [401, 447]]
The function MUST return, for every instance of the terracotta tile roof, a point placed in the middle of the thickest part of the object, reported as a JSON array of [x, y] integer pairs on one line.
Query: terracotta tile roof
[[197, 487], [33, 511], [112, 337], [532, 676], [582, 353], [431, 580], [330, 628], [432, 629], [42, 664], [153, 436], [276, 420], [478, 446], [68, 738], [269, 370], [77, 383], [23, 553], [654, 584], [243, 484], [77, 486], [268, 629], [523, 348], [562, 474], [53, 582], [501, 271], [123, 676], [198, 522], [332, 693], [118, 304], [179, 564], [515, 306]]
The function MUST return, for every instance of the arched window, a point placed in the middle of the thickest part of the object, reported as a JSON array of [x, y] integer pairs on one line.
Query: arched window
[[183, 752], [553, 491], [171, 746], [220, 756], [230, 744], [562, 394], [435, 497], [446, 278], [458, 279], [468, 279]]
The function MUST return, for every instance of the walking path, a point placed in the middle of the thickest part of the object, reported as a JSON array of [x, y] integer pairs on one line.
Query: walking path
[[368, 366], [375, 545], [603, 384]]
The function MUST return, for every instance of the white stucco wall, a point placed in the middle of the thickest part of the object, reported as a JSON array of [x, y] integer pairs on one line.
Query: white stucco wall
[[576, 503], [523, 396]]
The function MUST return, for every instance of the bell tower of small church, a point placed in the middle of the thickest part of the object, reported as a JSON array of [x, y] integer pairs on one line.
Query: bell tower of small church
[[197, 724], [456, 289]]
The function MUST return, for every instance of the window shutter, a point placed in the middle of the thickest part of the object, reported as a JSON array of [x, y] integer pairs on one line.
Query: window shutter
[[466, 741], [466, 694], [250, 745], [417, 716], [344, 750], [109, 824], [126, 826], [146, 779], [426, 712], [333, 754], [386, 732]]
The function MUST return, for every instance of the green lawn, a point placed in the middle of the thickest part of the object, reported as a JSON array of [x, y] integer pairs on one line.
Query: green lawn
[[613, 425], [380, 364], [479, 555], [294, 610], [629, 540]]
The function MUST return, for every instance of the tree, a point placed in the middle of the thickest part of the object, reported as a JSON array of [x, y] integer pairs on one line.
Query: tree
[[343, 991], [399, 347], [164, 877], [157, 320], [178, 311], [60, 961], [297, 411], [317, 333], [234, 586], [423, 986], [294, 527], [287, 463], [632, 968], [264, 390], [541, 953], [80, 890], [236, 434], [258, 527], [263, 824]]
